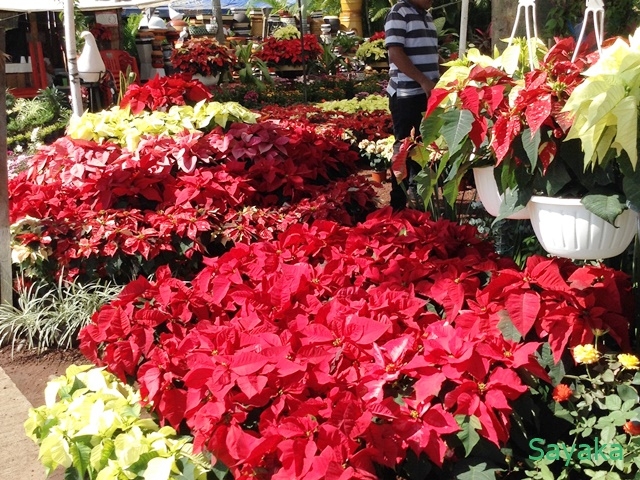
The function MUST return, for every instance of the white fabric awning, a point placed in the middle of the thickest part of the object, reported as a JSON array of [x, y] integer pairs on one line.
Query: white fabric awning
[[58, 5]]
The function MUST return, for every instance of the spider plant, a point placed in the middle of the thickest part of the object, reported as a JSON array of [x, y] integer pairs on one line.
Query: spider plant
[[50, 316]]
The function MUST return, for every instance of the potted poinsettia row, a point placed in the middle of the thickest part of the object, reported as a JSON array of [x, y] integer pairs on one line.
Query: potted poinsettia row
[[532, 127]]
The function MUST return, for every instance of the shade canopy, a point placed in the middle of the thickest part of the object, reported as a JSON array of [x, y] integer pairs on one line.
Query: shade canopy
[[58, 5], [198, 6]]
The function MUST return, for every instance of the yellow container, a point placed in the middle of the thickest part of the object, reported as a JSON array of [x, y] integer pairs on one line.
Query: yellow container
[[351, 16], [351, 21], [256, 24]]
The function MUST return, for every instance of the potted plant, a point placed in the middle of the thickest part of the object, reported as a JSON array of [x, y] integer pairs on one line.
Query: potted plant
[[525, 128], [204, 58], [345, 44], [251, 70], [379, 153], [604, 113], [470, 97], [604, 108], [373, 51], [284, 51]]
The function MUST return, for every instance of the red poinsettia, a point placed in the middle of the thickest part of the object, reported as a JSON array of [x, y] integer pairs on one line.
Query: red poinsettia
[[299, 355], [288, 51], [202, 55], [101, 32], [161, 93], [539, 104]]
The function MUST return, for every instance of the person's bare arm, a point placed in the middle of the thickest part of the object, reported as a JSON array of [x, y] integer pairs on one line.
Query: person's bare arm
[[406, 66]]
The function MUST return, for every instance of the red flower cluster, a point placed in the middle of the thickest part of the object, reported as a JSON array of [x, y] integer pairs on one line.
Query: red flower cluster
[[289, 51], [101, 32], [361, 125], [376, 36], [324, 353], [161, 93], [107, 209], [202, 55], [538, 105], [561, 393]]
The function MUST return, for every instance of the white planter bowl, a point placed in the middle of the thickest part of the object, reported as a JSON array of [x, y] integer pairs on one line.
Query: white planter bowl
[[208, 80], [487, 190], [565, 228]]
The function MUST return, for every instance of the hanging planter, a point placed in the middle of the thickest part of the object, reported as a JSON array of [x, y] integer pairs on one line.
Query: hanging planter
[[490, 196], [564, 227]]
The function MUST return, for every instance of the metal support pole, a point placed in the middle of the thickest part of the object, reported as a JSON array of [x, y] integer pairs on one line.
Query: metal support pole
[[6, 274], [464, 27]]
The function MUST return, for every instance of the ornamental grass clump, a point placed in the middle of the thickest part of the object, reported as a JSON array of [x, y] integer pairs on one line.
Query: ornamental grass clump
[[50, 316]]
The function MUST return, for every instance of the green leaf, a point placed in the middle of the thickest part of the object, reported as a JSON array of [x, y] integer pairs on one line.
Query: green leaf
[[468, 434], [420, 155], [220, 470], [608, 433], [451, 188], [71, 474], [608, 376], [607, 207], [506, 326], [556, 371], [430, 126], [479, 472], [531, 145], [557, 177], [613, 402], [81, 455], [101, 453], [630, 183], [601, 475], [627, 393], [456, 127], [426, 181]]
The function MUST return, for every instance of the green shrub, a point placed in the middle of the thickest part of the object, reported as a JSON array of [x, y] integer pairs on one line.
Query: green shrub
[[92, 425], [31, 122]]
